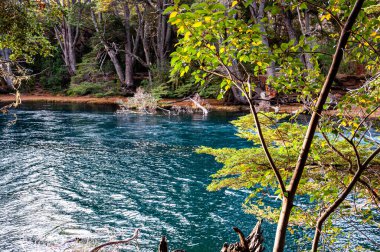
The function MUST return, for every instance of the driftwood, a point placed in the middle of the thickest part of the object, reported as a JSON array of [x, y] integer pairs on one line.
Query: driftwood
[[205, 111], [253, 243], [111, 243], [163, 247]]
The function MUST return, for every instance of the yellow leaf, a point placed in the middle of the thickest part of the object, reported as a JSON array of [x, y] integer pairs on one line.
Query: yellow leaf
[[257, 43], [234, 3], [187, 35], [197, 24], [222, 50], [173, 14], [259, 63], [373, 34], [176, 21], [207, 19], [327, 17]]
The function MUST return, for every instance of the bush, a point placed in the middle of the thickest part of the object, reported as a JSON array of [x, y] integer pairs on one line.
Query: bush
[[85, 88], [142, 101], [91, 80], [54, 76]]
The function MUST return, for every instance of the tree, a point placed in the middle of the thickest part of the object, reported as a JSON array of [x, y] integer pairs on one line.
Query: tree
[[21, 38], [146, 30], [68, 18], [215, 38]]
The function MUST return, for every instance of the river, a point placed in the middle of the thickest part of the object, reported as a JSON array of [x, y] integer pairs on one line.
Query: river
[[83, 171]]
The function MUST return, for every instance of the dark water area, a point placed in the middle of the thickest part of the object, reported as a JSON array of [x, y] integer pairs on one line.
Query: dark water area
[[77, 170]]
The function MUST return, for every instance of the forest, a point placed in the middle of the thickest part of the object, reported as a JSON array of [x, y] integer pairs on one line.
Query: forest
[[306, 172]]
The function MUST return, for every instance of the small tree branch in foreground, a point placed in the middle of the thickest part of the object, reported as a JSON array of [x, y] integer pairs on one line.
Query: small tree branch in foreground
[[287, 204], [133, 237]]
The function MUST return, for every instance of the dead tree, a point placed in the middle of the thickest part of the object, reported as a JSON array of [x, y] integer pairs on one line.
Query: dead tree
[[253, 243]]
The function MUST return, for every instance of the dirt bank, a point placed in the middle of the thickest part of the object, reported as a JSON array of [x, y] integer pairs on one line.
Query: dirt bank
[[212, 104]]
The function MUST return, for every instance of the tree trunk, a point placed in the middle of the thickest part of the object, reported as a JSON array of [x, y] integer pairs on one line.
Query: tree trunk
[[6, 67], [115, 61], [112, 53], [289, 26], [163, 34], [309, 63], [128, 48], [288, 200], [67, 39], [257, 13]]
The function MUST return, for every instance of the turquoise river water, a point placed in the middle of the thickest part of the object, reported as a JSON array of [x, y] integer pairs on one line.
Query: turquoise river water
[[81, 171]]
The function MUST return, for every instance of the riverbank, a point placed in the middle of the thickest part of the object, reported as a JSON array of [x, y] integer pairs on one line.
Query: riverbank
[[212, 104]]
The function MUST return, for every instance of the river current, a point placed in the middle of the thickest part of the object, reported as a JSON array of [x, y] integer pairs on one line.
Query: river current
[[81, 171]]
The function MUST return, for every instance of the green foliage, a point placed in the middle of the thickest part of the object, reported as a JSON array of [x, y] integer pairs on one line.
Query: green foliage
[[21, 29], [85, 88], [210, 90], [54, 76], [185, 89], [91, 80], [163, 86], [325, 169], [208, 41]]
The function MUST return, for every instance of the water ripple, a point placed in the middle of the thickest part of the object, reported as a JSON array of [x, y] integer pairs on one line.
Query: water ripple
[[72, 173]]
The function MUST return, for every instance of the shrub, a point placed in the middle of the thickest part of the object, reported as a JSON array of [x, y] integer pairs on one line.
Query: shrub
[[142, 101], [85, 88]]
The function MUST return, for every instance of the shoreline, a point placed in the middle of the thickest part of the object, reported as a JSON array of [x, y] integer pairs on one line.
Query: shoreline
[[212, 104], [61, 99]]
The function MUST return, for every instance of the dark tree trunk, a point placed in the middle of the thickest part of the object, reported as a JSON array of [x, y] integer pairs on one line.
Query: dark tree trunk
[[164, 34], [128, 48], [6, 67]]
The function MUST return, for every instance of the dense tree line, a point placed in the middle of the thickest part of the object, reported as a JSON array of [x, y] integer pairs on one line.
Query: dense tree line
[[108, 47]]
